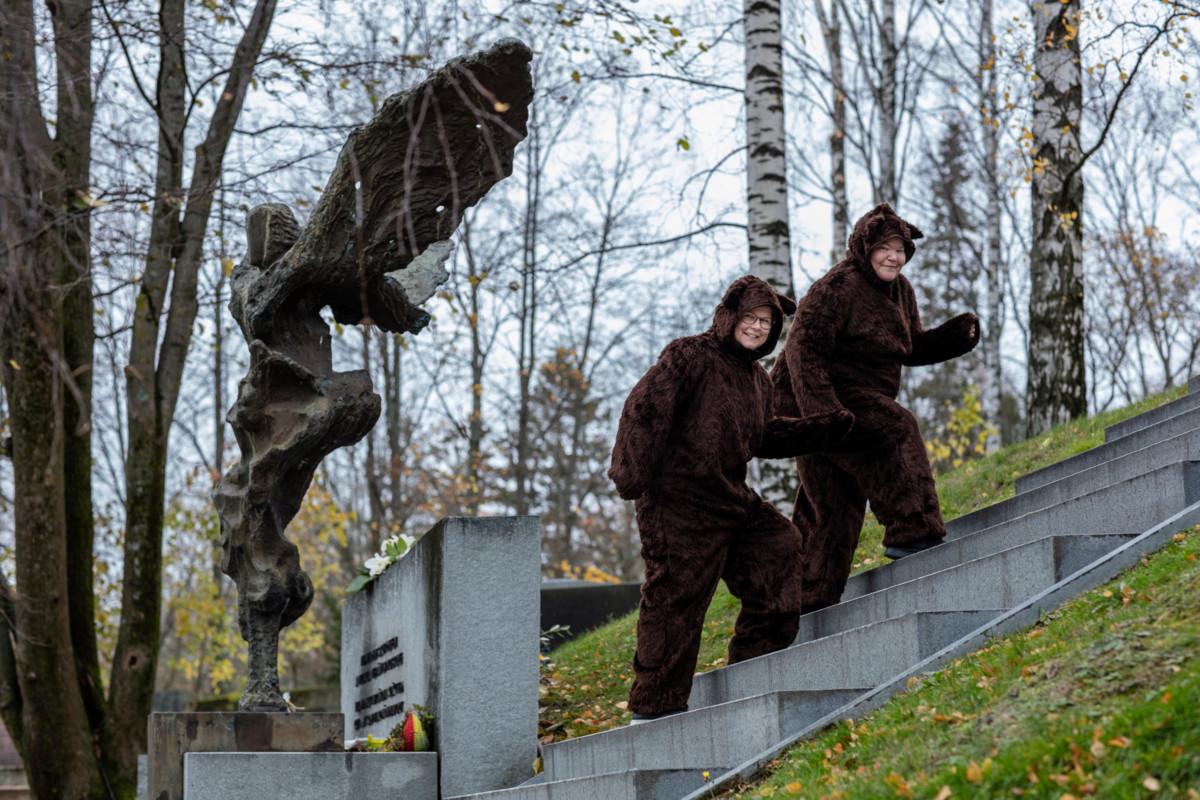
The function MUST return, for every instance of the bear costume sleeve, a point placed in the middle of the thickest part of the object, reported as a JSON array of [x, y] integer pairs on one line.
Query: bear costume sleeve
[[646, 422], [814, 334], [949, 340], [787, 437]]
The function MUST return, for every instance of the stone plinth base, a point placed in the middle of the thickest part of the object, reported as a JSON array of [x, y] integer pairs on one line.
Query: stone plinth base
[[310, 776], [453, 626], [173, 735]]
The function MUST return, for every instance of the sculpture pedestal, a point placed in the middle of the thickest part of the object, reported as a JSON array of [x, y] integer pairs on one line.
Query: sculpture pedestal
[[453, 627], [173, 735]]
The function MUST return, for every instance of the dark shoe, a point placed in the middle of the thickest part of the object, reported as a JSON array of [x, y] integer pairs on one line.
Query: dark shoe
[[898, 551], [638, 719]]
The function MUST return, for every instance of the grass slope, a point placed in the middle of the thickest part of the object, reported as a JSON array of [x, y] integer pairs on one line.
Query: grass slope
[[586, 683]]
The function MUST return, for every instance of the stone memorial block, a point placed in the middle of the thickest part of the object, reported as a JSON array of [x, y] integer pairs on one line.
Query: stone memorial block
[[310, 776], [453, 627], [173, 735]]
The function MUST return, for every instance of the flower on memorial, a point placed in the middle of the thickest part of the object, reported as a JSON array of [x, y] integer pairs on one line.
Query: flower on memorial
[[389, 553]]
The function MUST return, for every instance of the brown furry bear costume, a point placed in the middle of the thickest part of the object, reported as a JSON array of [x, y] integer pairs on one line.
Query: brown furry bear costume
[[686, 433], [852, 334]]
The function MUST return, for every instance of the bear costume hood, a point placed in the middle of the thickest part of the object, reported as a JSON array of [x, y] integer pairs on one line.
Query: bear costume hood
[[873, 229], [743, 295]]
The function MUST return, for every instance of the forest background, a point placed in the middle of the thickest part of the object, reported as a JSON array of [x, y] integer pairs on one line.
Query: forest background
[[624, 219]]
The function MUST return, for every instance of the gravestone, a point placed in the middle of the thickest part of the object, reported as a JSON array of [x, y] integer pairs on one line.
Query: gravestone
[[452, 626]]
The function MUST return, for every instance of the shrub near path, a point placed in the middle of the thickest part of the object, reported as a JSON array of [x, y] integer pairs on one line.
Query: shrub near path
[[585, 683]]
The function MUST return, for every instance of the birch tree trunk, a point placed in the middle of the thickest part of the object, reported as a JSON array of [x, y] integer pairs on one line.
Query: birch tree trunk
[[766, 143], [832, 34], [889, 124], [993, 267], [527, 317], [158, 352], [1057, 389]]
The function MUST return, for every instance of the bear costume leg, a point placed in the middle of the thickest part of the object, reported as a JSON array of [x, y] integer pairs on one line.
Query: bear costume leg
[[683, 565], [762, 569], [893, 471], [829, 512], [883, 460], [687, 550]]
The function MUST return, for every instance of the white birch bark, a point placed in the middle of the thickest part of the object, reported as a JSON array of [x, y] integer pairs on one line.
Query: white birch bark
[[831, 32], [1057, 388], [993, 385], [889, 123], [766, 173]]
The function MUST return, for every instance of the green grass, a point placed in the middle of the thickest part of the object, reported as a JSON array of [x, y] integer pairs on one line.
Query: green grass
[[586, 682]]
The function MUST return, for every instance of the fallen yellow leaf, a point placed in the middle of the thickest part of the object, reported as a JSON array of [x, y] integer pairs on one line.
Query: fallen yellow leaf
[[974, 773], [794, 787], [1151, 783], [1120, 741], [943, 794]]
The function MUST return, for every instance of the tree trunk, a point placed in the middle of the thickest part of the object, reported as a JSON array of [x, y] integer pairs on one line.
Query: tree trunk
[[766, 144], [889, 123], [155, 371], [527, 352], [994, 266], [478, 360], [1057, 389], [45, 362], [831, 32]]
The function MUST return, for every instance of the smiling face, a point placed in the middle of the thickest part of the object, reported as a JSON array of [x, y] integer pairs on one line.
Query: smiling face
[[754, 327], [887, 258]]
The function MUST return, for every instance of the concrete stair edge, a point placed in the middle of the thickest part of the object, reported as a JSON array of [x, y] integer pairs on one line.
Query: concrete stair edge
[[624, 785], [1152, 416], [653, 745], [1180, 476], [1001, 579], [1157, 432], [1015, 619], [951, 553], [1176, 449]]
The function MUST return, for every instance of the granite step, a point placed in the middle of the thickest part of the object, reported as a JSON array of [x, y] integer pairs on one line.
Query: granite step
[[950, 554], [1154, 415], [708, 738], [1001, 580], [1133, 504], [629, 784], [865, 656], [1151, 434], [1184, 447]]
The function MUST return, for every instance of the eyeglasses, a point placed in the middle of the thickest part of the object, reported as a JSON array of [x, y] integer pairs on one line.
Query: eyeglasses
[[753, 319]]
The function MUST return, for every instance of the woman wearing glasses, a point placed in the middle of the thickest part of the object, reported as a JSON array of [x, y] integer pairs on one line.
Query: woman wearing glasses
[[854, 330], [687, 431]]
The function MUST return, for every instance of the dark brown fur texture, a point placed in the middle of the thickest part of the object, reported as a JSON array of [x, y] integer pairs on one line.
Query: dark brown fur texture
[[687, 431], [852, 335]]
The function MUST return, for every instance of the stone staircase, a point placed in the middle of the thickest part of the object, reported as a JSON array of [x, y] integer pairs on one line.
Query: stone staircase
[[1070, 527]]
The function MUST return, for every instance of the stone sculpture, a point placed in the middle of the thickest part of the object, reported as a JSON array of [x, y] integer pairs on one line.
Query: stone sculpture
[[372, 252]]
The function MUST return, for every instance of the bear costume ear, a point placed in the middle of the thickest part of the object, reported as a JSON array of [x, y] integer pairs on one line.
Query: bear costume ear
[[788, 305], [733, 297], [914, 232]]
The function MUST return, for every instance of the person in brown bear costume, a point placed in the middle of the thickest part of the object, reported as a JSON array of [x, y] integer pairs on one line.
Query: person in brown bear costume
[[854, 330], [687, 431]]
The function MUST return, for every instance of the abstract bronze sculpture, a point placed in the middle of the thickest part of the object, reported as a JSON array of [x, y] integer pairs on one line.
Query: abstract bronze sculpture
[[397, 193]]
